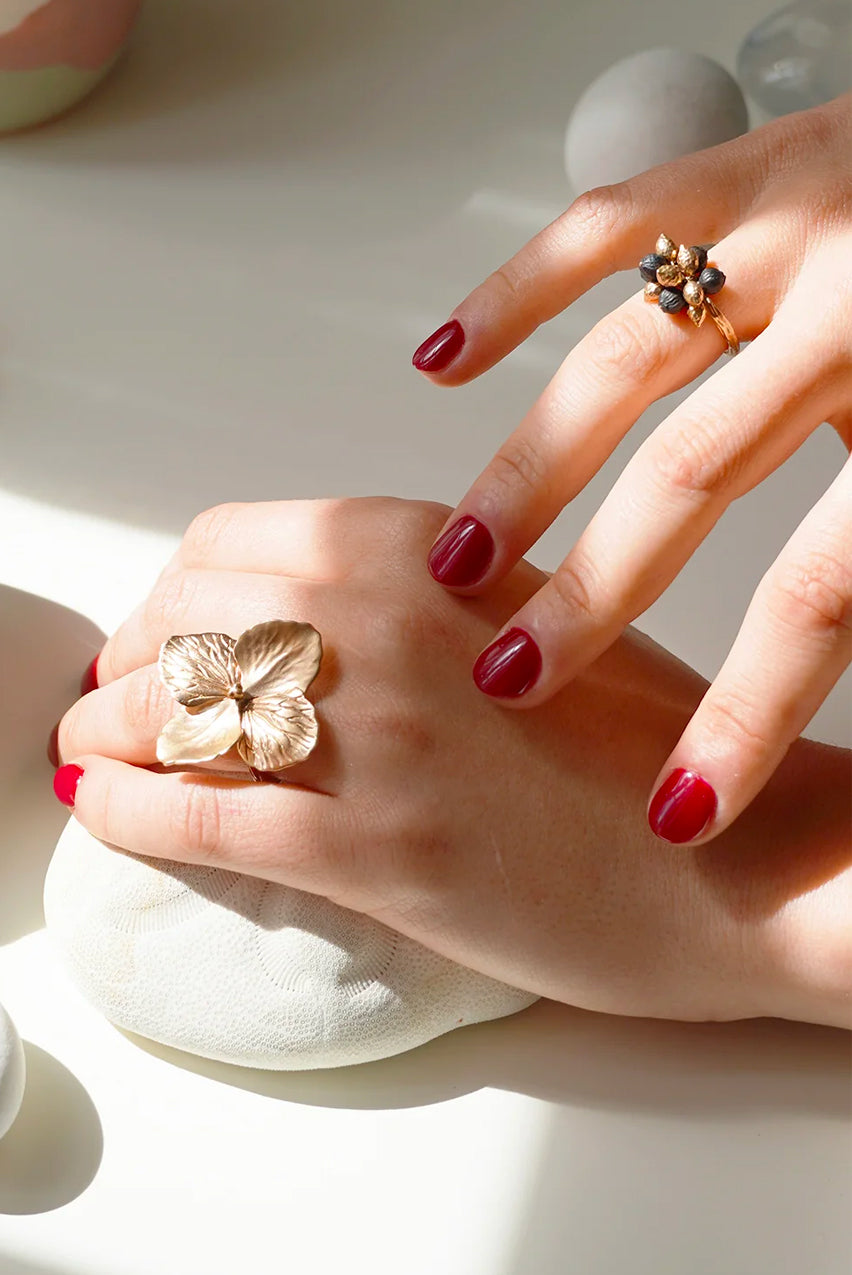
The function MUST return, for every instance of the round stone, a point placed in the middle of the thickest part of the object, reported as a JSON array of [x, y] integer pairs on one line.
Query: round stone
[[649, 266], [671, 301], [12, 1072], [646, 110], [711, 280]]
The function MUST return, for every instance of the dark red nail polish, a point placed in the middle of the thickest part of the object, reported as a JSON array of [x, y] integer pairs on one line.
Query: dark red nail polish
[[90, 678], [682, 807], [463, 554], [508, 667], [438, 350], [65, 783], [53, 747]]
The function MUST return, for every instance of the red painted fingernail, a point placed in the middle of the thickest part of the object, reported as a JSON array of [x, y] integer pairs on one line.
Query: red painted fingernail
[[90, 678], [53, 747], [682, 807], [463, 554], [65, 783], [438, 350], [508, 667]]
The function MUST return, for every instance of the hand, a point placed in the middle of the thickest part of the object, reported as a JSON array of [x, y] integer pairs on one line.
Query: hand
[[512, 843], [779, 203]]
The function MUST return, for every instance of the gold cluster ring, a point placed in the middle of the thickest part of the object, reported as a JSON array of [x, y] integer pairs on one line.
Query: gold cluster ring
[[679, 278]]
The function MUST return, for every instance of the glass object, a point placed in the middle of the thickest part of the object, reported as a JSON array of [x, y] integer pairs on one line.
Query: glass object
[[798, 57]]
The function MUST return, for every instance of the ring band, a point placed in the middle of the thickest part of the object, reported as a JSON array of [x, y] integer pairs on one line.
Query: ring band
[[680, 278]]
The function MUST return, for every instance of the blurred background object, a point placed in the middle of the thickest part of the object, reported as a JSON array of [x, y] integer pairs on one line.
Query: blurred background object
[[798, 57], [648, 109], [53, 54], [12, 1072]]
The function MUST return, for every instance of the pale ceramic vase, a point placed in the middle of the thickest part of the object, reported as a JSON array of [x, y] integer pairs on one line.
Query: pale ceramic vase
[[238, 969], [52, 54]]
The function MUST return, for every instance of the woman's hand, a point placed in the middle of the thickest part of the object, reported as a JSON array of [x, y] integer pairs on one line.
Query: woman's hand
[[513, 843], [777, 203]]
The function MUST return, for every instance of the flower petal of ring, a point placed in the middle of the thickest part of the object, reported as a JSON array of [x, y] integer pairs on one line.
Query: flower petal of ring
[[248, 692], [199, 669], [189, 738], [278, 654], [278, 732]]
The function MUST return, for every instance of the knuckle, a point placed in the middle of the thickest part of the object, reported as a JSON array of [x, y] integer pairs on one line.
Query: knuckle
[[576, 589], [169, 600], [519, 466], [146, 705], [733, 715], [207, 531], [597, 213], [695, 460], [625, 346], [815, 593], [196, 823], [106, 815], [507, 280]]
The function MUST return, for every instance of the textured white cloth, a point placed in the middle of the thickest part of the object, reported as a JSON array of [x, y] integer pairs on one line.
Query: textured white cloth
[[12, 1072], [231, 967]]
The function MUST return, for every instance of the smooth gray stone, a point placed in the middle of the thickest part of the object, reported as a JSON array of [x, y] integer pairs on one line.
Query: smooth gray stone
[[798, 57], [648, 109]]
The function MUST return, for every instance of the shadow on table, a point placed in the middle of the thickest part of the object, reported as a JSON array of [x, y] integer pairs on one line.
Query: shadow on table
[[20, 1266], [53, 1150], [585, 1060], [44, 649]]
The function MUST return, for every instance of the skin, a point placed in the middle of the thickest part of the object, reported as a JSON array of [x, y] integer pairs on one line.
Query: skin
[[777, 205], [512, 842]]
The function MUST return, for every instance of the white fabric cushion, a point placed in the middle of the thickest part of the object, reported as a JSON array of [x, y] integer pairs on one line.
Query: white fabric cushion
[[238, 969]]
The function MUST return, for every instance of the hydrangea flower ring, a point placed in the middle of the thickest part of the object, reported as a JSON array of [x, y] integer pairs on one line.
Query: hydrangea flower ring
[[679, 278], [248, 691]]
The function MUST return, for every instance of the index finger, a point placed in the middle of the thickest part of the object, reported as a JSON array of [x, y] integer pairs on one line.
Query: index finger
[[701, 197]]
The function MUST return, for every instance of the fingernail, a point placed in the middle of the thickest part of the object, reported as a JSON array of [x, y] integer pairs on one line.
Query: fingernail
[[90, 678], [53, 747], [682, 807], [438, 350], [509, 666], [65, 783], [463, 554]]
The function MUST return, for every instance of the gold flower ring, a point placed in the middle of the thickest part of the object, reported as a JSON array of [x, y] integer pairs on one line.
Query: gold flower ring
[[679, 278], [248, 691]]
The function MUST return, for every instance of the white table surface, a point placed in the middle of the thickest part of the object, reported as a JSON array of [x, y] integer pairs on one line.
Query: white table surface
[[213, 277]]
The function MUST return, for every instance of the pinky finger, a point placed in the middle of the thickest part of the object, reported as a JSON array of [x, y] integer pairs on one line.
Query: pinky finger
[[794, 644], [276, 831]]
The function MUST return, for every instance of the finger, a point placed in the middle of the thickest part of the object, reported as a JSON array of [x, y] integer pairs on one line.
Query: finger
[[630, 359], [121, 720], [276, 831], [199, 602], [731, 433], [700, 197], [794, 643], [320, 540], [124, 719]]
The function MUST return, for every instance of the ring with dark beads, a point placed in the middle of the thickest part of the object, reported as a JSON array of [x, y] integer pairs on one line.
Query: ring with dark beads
[[679, 278]]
